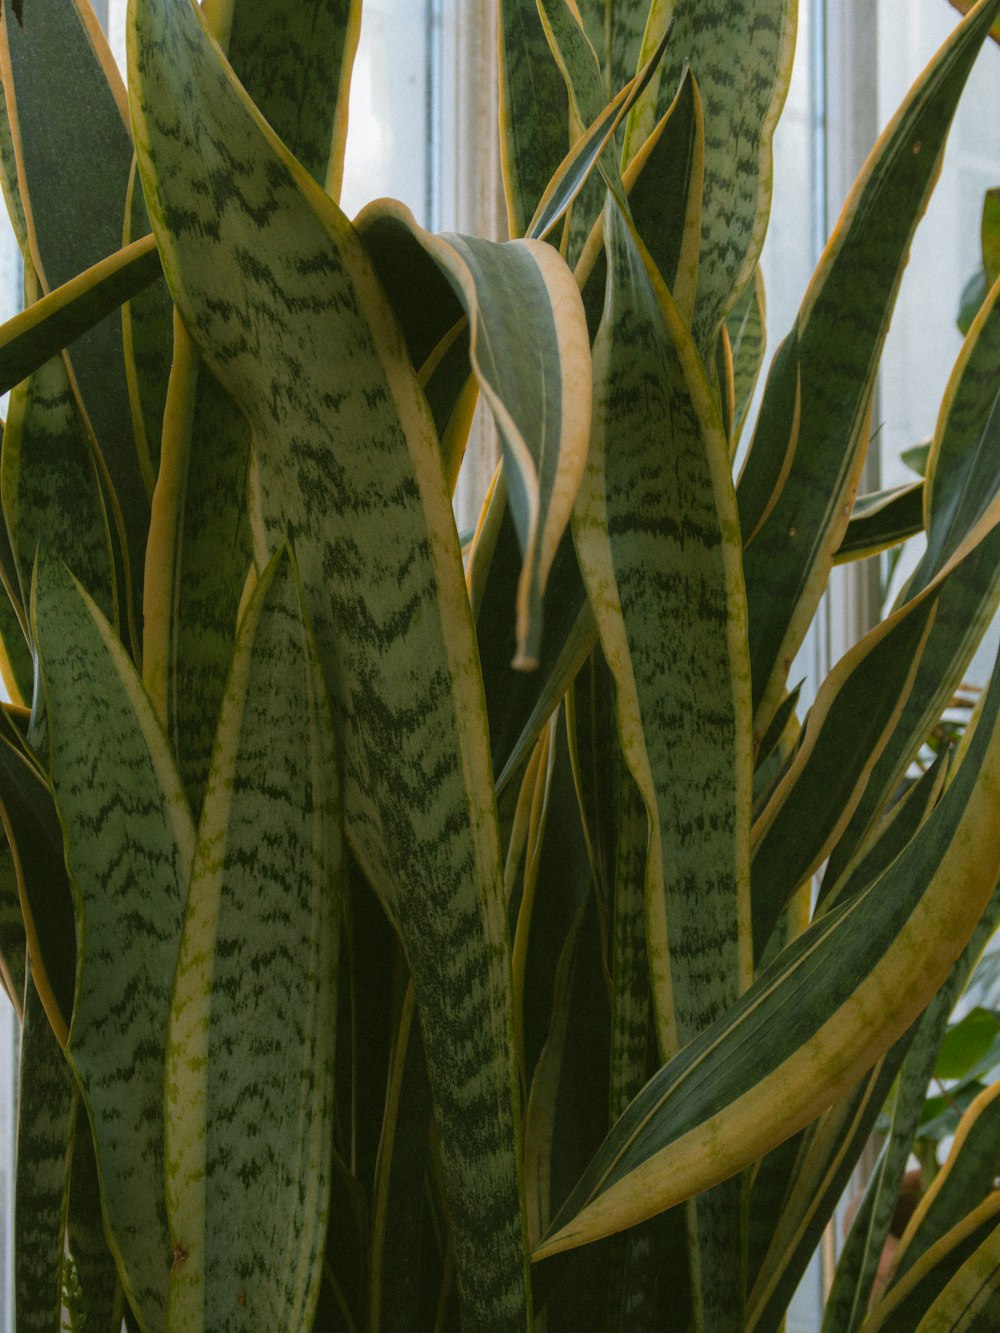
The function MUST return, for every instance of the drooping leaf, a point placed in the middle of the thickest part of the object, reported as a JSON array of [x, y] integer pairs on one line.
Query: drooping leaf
[[530, 351]]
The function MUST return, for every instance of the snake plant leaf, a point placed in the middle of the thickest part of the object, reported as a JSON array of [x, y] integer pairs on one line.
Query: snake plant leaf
[[890, 836], [69, 125], [740, 51], [295, 62], [47, 326], [790, 543], [96, 1299], [249, 1095], [963, 7], [16, 666], [747, 328], [664, 183], [530, 351], [806, 1030], [346, 458], [519, 702], [650, 508], [833, 1147], [46, 903], [882, 519], [960, 479], [118, 787], [615, 31], [658, 468], [534, 112], [962, 486], [8, 180], [199, 553], [13, 942], [50, 486], [399, 1223], [859, 1260], [855, 712], [147, 341], [949, 1286], [962, 1184], [44, 1149], [576, 167]]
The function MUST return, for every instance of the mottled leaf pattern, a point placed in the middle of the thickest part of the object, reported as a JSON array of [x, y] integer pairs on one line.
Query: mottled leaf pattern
[[249, 1094], [123, 792], [382, 575]]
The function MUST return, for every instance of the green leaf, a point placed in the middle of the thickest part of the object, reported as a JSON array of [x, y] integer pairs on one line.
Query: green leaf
[[13, 943], [914, 1300], [530, 351], [851, 720], [249, 1066], [646, 513], [400, 1224], [960, 497], [819, 388], [862, 1252], [70, 131], [966, 1042], [990, 235], [615, 31], [880, 520], [964, 1181], [50, 486], [832, 1003], [128, 842], [280, 299], [746, 329], [46, 1115], [47, 326], [657, 537], [534, 114], [740, 51], [295, 62], [35, 840]]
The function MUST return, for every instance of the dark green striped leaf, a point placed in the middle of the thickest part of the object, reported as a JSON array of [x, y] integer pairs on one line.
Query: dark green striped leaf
[[70, 131], [50, 485], [279, 297], [850, 721], [57, 320], [534, 112], [249, 1067], [128, 842], [830, 1006], [880, 520], [295, 62], [656, 534], [819, 387], [47, 1111], [530, 351], [740, 51]]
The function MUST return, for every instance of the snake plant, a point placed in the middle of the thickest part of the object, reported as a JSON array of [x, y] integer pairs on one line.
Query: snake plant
[[410, 937]]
